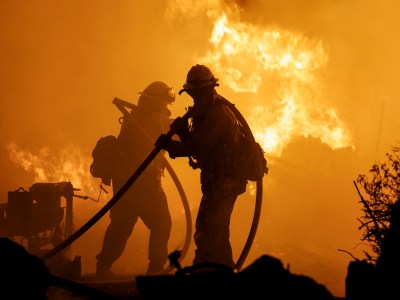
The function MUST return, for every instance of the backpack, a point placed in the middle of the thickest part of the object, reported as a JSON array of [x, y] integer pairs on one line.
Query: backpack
[[249, 155], [105, 155], [250, 159]]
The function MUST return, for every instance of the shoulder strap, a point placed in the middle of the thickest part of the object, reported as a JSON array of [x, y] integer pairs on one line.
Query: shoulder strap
[[242, 121]]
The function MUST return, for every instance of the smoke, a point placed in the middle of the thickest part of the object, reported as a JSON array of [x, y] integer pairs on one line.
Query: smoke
[[64, 62]]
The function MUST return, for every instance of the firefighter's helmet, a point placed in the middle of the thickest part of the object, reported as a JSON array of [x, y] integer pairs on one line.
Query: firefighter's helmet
[[159, 91], [200, 76]]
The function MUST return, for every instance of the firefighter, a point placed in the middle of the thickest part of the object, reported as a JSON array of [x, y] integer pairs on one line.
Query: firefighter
[[145, 199], [208, 139]]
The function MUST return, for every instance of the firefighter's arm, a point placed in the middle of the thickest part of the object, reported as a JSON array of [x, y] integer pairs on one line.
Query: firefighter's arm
[[180, 127], [213, 130], [173, 147]]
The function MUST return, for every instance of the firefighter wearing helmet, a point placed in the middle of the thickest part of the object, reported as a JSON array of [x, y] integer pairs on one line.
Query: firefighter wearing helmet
[[199, 76], [158, 92], [146, 199], [208, 143]]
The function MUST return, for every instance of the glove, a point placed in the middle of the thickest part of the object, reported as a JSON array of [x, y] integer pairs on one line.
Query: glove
[[179, 124], [180, 127], [163, 141]]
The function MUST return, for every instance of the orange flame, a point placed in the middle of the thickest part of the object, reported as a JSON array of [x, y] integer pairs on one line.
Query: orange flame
[[249, 57], [246, 55], [72, 165]]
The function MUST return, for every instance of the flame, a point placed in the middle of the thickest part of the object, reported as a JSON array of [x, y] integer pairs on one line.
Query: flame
[[290, 121], [72, 165], [245, 54], [250, 57]]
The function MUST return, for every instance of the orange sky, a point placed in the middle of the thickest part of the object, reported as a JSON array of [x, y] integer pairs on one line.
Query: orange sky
[[63, 62]]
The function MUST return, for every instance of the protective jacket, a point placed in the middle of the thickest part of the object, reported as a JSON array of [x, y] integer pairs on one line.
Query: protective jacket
[[146, 198], [209, 143]]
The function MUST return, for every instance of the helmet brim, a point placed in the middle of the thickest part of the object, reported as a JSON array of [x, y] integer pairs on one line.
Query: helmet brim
[[169, 99], [201, 84]]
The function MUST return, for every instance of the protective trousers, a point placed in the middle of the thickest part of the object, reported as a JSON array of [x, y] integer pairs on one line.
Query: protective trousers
[[148, 203], [212, 225]]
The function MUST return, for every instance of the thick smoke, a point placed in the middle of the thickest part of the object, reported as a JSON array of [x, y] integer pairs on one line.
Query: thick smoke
[[63, 63]]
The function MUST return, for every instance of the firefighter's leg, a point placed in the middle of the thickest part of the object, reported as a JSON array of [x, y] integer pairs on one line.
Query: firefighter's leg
[[212, 229], [157, 218], [115, 239]]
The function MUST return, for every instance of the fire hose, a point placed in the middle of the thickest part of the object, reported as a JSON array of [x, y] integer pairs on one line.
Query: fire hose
[[136, 175], [73, 237], [259, 192], [121, 104]]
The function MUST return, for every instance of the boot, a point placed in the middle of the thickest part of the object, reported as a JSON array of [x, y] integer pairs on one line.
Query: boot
[[154, 268], [103, 272]]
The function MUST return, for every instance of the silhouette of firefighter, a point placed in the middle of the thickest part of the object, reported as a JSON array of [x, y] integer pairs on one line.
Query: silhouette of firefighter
[[209, 139], [145, 199]]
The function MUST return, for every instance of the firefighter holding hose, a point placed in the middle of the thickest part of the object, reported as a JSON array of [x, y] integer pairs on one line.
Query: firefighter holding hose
[[209, 140], [146, 199]]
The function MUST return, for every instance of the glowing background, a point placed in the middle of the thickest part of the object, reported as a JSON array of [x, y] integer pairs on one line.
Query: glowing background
[[317, 80]]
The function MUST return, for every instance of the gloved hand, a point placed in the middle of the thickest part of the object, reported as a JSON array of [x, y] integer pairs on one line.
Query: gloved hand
[[180, 127], [163, 141], [179, 124]]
